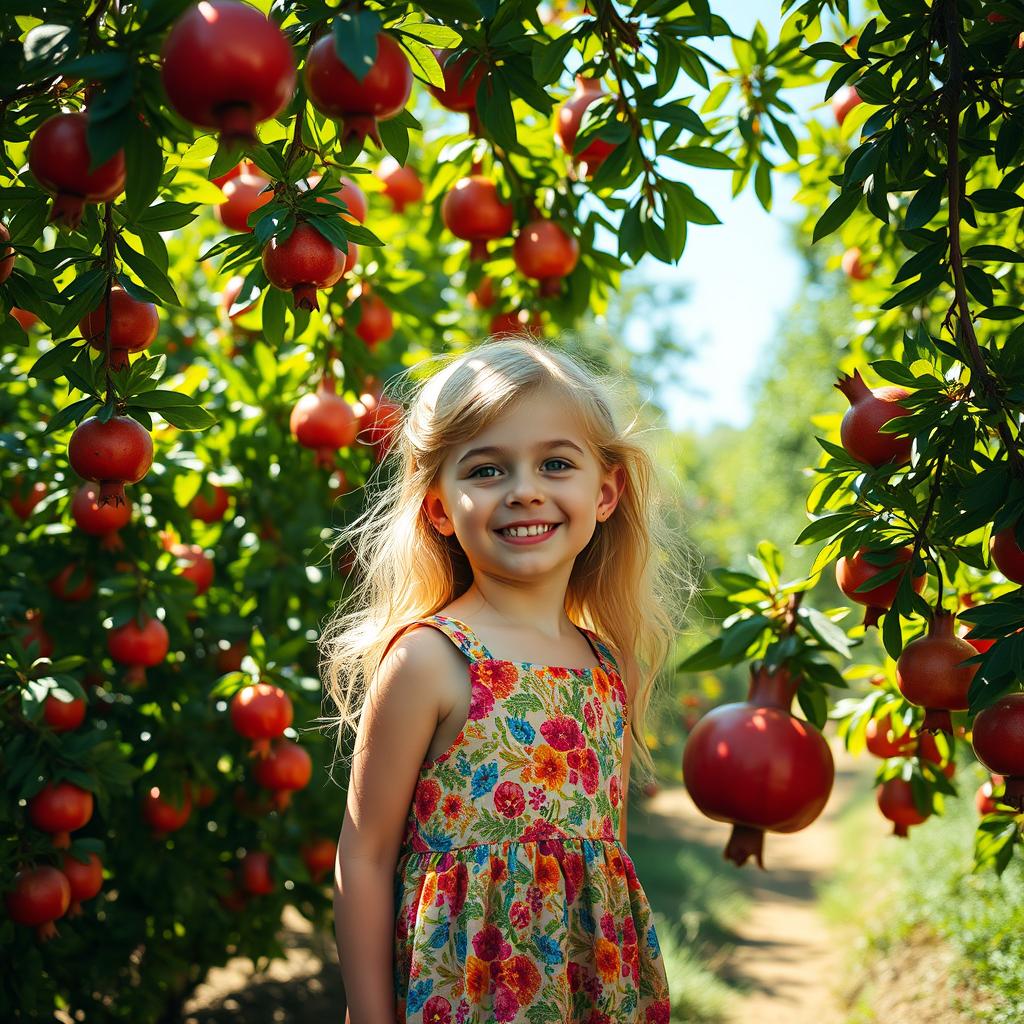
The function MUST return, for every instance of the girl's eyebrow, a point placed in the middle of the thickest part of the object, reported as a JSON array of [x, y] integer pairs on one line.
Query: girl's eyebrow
[[494, 450]]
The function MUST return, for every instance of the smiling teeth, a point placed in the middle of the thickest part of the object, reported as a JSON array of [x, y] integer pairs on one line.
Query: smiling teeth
[[526, 531]]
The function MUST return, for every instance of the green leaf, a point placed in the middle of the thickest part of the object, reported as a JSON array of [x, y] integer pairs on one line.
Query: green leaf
[[395, 139], [838, 212], [441, 36], [144, 165], [549, 60], [825, 630], [892, 634], [813, 704], [148, 272], [995, 200], [422, 57], [355, 40], [703, 156], [274, 317], [73, 413], [925, 205], [494, 107], [738, 638]]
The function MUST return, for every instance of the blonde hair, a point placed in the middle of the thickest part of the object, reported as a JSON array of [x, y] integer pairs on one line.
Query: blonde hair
[[623, 584]]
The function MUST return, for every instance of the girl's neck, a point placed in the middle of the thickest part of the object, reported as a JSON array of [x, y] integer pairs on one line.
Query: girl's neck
[[527, 611]]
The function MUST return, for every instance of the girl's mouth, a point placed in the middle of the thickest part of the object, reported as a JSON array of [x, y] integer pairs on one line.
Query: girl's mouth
[[527, 534]]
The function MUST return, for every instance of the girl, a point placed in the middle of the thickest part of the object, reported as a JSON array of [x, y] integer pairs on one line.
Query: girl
[[511, 569]]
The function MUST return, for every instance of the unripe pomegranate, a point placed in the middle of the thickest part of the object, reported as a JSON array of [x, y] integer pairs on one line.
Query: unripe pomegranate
[[59, 159], [869, 409], [852, 266], [225, 65], [22, 501], [245, 194], [85, 879], [303, 262], [165, 815], [896, 802], [324, 421], [63, 715], [139, 647], [261, 713], [460, 83], [114, 453], [998, 739], [210, 504], [1008, 554], [755, 765], [133, 326], [349, 193], [401, 184], [854, 571], [376, 322], [24, 317], [930, 675], [254, 874], [544, 251], [60, 808], [288, 767], [567, 126], [473, 210], [319, 856], [882, 741], [6, 254], [358, 104], [38, 897], [843, 101], [99, 520]]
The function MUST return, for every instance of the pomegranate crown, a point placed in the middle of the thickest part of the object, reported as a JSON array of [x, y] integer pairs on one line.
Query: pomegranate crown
[[853, 386]]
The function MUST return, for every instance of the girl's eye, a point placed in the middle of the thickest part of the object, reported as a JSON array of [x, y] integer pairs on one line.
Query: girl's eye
[[479, 470], [564, 464]]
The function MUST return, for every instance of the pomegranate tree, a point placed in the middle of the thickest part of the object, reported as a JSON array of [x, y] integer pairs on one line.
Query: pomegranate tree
[[546, 252], [869, 410], [755, 765], [998, 739], [133, 326], [854, 572], [302, 263], [39, 896], [261, 713], [113, 454], [225, 65], [324, 421], [473, 210]]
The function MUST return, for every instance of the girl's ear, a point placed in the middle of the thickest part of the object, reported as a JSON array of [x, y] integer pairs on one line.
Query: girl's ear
[[435, 511], [612, 486]]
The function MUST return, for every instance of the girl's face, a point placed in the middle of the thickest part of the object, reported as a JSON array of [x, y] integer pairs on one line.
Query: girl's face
[[523, 496]]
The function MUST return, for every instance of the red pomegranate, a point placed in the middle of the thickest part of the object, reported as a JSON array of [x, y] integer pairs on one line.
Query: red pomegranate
[[338, 484], [896, 802], [22, 501], [99, 520], [6, 254], [260, 713], [929, 673], [567, 126], [349, 193], [24, 317], [32, 631], [242, 167], [285, 769], [382, 425], [998, 739], [483, 296], [38, 897], [229, 659], [60, 808], [518, 321], [843, 101], [755, 765], [210, 504], [244, 195], [358, 104], [302, 263], [1008, 554], [324, 421], [82, 592], [927, 749], [133, 326], [854, 571], [63, 715], [544, 251], [474, 211], [195, 565], [852, 266], [139, 646], [164, 814], [401, 184], [59, 159], [882, 740], [225, 65], [376, 322], [869, 409], [254, 874], [987, 799], [114, 453], [319, 856], [202, 795], [85, 879], [462, 75]]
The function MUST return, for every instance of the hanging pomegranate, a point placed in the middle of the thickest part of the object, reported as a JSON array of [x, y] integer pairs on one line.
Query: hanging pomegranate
[[114, 453], [164, 814], [81, 592], [242, 167], [32, 631], [869, 410], [24, 317], [287, 768], [324, 422], [376, 322], [567, 126], [987, 800], [382, 426], [59, 159], [927, 749], [60, 808], [229, 659], [854, 571], [24, 501], [302, 263], [63, 715], [358, 103], [896, 802], [6, 254], [254, 874], [474, 211], [929, 673], [1007, 554], [401, 184], [462, 74], [139, 647], [261, 713], [843, 101], [210, 504], [882, 740], [244, 195], [852, 266], [99, 520], [225, 65], [755, 765], [133, 326], [38, 897], [483, 296], [517, 321], [319, 855], [85, 879], [544, 251], [202, 795], [998, 739]]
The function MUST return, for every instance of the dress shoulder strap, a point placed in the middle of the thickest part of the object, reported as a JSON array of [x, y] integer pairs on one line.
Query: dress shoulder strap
[[461, 635], [603, 651]]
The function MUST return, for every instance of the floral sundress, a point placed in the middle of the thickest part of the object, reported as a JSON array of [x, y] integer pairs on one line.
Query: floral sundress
[[514, 899]]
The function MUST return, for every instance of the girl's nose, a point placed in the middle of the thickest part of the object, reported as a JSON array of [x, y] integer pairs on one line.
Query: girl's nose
[[524, 490]]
